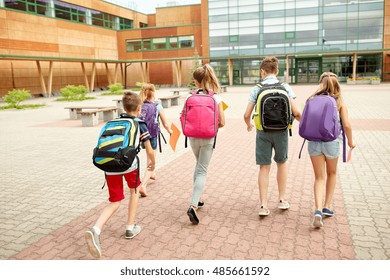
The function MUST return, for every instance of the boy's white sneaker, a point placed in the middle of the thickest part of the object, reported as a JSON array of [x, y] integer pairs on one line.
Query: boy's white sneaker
[[130, 234], [93, 243], [284, 205]]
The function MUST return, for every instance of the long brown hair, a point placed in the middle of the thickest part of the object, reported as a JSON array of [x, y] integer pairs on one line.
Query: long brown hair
[[207, 79], [329, 84]]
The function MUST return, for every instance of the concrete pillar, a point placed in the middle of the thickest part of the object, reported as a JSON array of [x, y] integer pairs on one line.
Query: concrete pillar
[[116, 23], [51, 9], [88, 17], [2, 3]]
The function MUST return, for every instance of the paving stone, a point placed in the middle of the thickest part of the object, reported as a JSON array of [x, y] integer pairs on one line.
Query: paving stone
[[62, 200]]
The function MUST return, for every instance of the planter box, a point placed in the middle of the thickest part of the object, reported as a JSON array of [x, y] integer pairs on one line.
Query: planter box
[[375, 82], [363, 82]]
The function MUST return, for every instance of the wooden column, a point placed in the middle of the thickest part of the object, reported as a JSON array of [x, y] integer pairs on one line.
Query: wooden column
[[230, 71], [287, 76], [85, 76], [354, 67], [50, 78], [108, 74], [116, 73], [41, 79], [178, 68], [93, 74], [145, 72]]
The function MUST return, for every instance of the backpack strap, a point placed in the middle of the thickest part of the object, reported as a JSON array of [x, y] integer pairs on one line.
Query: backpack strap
[[300, 152]]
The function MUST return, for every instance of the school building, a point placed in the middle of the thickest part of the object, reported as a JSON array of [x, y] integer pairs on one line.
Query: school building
[[48, 44]]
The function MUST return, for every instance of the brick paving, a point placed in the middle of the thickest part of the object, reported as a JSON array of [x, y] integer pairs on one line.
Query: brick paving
[[51, 193]]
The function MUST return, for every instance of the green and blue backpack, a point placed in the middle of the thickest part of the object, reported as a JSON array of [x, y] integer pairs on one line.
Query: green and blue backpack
[[118, 144]]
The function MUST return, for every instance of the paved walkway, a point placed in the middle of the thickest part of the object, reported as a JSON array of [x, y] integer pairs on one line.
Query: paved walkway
[[51, 193]]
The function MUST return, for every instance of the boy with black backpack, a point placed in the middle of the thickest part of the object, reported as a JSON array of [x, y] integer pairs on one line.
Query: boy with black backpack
[[116, 154], [274, 113]]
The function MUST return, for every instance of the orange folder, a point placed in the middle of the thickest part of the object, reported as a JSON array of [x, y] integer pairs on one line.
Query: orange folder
[[174, 136], [224, 106]]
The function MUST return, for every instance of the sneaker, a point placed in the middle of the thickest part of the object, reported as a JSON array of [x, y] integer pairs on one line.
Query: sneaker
[[200, 203], [130, 234], [93, 243], [327, 212], [264, 211], [284, 205], [317, 221], [192, 215]]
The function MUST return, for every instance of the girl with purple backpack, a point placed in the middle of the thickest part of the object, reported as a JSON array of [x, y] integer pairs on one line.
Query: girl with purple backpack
[[150, 113], [324, 155]]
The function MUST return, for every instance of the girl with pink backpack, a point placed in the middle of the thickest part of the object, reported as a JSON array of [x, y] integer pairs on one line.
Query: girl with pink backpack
[[201, 117]]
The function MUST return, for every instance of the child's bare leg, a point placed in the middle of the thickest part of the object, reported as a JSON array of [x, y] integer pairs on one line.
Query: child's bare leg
[[281, 177], [318, 163], [108, 211], [133, 205], [331, 171], [263, 184]]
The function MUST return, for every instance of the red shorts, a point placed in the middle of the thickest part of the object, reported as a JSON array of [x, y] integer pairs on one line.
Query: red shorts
[[115, 185]]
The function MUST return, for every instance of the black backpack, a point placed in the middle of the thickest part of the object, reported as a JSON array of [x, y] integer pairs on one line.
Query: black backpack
[[273, 108]]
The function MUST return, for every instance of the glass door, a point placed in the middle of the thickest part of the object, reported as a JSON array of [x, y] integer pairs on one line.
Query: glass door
[[308, 70]]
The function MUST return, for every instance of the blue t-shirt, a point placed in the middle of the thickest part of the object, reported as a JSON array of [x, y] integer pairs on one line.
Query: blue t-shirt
[[269, 80]]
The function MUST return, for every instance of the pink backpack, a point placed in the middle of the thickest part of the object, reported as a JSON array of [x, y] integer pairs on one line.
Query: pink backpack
[[200, 118]]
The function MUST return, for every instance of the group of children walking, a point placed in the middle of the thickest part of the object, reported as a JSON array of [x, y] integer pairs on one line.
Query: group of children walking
[[323, 155]]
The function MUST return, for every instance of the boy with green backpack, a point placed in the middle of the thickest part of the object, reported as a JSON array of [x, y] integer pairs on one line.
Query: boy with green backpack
[[275, 111]]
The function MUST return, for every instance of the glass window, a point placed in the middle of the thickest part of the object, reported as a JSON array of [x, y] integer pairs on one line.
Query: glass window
[[146, 44], [173, 43], [186, 41], [16, 5], [133, 45], [159, 43], [125, 23], [143, 25]]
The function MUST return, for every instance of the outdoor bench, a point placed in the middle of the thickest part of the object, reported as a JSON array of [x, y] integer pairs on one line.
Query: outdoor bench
[[91, 117], [169, 101], [74, 111]]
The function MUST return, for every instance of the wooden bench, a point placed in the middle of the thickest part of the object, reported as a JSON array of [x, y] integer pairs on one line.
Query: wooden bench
[[91, 117], [177, 91], [169, 101], [74, 111], [119, 105]]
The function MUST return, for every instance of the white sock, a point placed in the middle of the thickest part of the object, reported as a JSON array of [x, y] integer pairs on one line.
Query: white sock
[[97, 230], [129, 227]]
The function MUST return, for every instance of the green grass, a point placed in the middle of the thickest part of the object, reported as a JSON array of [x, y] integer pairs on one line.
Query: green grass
[[20, 107], [74, 99]]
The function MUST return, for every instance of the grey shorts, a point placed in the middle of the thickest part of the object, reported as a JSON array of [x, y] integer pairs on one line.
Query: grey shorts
[[330, 149], [268, 141]]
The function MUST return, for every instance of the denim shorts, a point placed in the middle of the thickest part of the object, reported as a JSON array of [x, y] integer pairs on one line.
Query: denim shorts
[[330, 149]]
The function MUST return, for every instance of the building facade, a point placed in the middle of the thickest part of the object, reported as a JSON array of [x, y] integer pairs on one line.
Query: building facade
[[48, 44], [308, 36]]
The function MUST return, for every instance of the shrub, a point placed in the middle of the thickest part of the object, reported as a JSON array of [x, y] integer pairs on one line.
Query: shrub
[[116, 89], [15, 96], [71, 92]]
